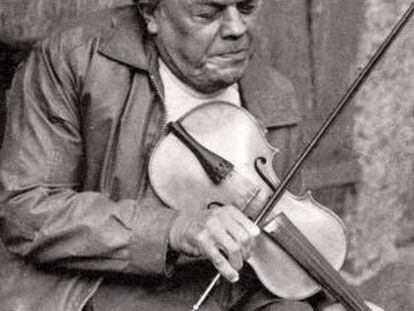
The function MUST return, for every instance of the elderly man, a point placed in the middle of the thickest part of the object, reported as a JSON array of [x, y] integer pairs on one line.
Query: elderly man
[[80, 221]]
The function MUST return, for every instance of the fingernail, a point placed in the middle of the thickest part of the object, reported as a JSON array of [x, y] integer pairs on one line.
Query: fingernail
[[235, 279]]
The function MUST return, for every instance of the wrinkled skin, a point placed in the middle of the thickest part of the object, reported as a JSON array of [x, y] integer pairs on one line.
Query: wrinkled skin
[[207, 44]]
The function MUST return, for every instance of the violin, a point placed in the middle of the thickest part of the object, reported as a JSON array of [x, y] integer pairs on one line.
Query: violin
[[217, 154]]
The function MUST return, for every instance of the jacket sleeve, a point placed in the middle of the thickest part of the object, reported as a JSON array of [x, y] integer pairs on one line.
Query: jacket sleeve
[[43, 216]]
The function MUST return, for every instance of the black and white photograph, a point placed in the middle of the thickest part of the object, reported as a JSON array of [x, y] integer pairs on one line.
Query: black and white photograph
[[206, 155]]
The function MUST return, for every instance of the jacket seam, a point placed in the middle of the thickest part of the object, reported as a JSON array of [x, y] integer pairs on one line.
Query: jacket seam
[[92, 292]]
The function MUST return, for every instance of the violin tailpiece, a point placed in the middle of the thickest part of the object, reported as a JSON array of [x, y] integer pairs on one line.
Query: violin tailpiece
[[216, 167]]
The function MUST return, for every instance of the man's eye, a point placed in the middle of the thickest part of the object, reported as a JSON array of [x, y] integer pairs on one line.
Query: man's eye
[[207, 14], [247, 7]]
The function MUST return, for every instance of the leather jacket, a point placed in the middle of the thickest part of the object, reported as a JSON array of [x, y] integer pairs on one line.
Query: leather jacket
[[76, 206]]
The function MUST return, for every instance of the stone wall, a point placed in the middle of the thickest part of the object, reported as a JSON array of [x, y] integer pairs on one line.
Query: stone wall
[[382, 220], [383, 217]]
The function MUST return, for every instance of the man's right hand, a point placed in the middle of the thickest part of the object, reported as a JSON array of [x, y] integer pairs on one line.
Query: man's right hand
[[223, 235]]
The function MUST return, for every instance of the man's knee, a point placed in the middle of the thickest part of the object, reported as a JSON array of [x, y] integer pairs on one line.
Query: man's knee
[[286, 305]]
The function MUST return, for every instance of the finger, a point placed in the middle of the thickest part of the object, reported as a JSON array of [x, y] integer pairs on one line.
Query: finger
[[245, 224], [243, 239], [243, 220], [212, 253], [231, 247]]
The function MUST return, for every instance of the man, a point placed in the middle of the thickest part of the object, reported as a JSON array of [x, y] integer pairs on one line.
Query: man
[[81, 223]]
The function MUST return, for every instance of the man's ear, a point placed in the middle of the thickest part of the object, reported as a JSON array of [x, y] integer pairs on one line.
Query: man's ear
[[147, 10]]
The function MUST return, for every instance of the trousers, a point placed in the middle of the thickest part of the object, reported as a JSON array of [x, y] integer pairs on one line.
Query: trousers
[[256, 299], [281, 305], [246, 295]]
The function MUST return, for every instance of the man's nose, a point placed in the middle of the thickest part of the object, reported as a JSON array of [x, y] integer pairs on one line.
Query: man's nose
[[233, 24]]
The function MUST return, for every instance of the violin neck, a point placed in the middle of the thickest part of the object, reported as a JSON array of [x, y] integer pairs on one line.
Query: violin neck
[[309, 258]]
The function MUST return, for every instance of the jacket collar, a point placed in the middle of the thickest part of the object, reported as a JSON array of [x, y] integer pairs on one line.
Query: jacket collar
[[266, 93], [126, 41]]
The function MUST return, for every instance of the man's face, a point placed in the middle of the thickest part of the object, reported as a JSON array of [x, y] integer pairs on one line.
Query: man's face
[[207, 43]]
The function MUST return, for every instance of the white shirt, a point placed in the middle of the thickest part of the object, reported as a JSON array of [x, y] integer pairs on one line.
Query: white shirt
[[181, 98]]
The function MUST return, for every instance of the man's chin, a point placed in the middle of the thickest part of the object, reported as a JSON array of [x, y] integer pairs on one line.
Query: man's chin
[[225, 66], [221, 78], [217, 84]]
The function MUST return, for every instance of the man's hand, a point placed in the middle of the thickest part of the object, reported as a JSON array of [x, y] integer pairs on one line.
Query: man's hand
[[338, 307], [223, 235]]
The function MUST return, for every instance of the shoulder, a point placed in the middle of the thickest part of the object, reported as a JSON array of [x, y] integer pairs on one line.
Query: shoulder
[[270, 95], [285, 91], [281, 82], [88, 32]]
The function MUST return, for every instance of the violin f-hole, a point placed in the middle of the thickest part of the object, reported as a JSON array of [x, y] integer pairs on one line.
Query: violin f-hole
[[259, 167]]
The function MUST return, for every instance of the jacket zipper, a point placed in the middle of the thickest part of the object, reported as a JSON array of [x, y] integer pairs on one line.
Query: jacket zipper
[[158, 94]]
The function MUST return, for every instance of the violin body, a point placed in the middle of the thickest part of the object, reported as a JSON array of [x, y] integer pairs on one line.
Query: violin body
[[231, 132]]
